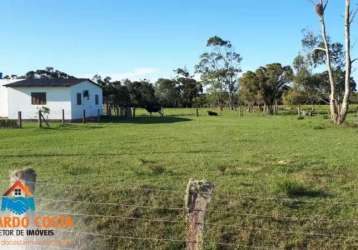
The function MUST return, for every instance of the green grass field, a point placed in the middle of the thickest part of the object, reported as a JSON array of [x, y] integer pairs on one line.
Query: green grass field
[[280, 182]]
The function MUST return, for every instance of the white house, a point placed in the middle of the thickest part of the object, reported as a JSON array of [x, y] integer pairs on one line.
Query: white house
[[74, 96]]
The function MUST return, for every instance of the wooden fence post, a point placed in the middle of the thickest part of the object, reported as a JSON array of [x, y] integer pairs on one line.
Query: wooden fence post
[[197, 112], [40, 119], [27, 176], [84, 116], [19, 120], [63, 116], [197, 197]]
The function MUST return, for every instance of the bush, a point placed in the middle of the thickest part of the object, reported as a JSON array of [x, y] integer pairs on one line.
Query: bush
[[300, 118], [8, 124]]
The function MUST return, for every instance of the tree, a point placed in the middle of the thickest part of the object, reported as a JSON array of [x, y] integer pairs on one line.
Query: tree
[[267, 84], [249, 89], [338, 109], [168, 92], [219, 68], [49, 73], [273, 80], [142, 94], [189, 88]]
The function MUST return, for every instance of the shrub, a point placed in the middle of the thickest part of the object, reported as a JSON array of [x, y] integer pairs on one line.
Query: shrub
[[300, 118], [8, 124]]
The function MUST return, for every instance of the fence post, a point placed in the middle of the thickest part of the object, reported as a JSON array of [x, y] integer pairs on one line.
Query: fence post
[[27, 176], [197, 112], [63, 116], [84, 116], [197, 197], [40, 119], [19, 119]]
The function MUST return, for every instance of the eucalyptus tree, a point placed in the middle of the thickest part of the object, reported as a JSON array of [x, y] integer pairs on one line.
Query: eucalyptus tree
[[220, 67], [190, 89], [338, 108], [267, 85]]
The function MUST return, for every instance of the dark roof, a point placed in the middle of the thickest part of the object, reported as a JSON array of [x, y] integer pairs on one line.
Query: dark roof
[[44, 82]]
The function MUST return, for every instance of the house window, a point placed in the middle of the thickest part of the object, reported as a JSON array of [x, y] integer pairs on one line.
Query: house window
[[17, 192], [38, 98], [97, 99], [79, 99], [86, 94]]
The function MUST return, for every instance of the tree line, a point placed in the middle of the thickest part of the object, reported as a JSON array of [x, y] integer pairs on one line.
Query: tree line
[[218, 80]]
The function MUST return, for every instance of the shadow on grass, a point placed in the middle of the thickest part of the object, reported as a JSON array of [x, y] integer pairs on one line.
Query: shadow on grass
[[294, 189], [145, 120]]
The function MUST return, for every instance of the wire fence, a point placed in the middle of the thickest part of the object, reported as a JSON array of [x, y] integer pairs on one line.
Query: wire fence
[[228, 224]]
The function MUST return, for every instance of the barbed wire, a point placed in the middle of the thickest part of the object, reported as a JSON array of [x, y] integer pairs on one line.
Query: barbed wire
[[237, 226], [220, 195]]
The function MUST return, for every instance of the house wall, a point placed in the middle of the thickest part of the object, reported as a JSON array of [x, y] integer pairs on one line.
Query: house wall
[[89, 105], [4, 112], [3, 100], [58, 98]]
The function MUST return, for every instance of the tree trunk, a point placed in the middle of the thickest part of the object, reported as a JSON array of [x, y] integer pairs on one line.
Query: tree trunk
[[332, 97], [339, 110], [347, 90], [231, 101]]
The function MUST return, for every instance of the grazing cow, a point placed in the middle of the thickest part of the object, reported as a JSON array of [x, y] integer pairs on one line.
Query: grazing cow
[[211, 113]]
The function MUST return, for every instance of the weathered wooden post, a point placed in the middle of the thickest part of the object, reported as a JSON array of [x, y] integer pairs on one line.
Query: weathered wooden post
[[197, 112], [84, 116], [19, 119], [63, 116], [197, 197], [26, 176], [40, 119]]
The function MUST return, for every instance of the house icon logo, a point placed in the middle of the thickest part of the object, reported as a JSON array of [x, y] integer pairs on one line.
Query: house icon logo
[[18, 199]]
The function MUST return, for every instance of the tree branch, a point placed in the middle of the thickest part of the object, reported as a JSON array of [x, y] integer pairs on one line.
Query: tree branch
[[319, 48], [353, 15]]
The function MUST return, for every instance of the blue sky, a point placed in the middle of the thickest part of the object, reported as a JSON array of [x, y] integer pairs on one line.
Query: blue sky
[[150, 38]]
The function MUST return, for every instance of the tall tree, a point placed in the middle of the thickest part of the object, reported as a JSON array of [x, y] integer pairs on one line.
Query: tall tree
[[338, 109], [266, 84], [220, 67], [168, 92], [189, 88]]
